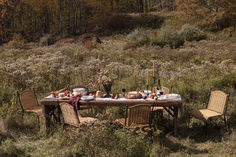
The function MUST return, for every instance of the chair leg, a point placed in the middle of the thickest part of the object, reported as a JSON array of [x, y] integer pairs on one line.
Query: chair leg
[[206, 125], [226, 125], [22, 118], [63, 124], [38, 121], [58, 114], [188, 121]]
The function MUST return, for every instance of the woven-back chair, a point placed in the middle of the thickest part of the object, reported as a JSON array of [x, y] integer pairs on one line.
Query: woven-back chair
[[71, 116], [138, 115], [165, 91], [216, 107], [29, 103]]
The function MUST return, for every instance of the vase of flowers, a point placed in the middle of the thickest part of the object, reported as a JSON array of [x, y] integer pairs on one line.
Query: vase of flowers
[[107, 88], [106, 78]]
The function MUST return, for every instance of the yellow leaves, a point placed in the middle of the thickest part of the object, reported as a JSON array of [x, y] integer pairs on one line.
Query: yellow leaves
[[3, 12]]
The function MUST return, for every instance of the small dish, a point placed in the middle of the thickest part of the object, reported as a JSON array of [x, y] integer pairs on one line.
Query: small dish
[[147, 91], [87, 98], [61, 95]]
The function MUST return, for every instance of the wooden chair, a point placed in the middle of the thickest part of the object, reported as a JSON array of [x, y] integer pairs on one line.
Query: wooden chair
[[71, 116], [165, 91], [216, 107], [137, 116], [158, 110], [29, 103]]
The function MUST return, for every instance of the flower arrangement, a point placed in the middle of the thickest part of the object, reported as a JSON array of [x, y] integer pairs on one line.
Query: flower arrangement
[[106, 77]]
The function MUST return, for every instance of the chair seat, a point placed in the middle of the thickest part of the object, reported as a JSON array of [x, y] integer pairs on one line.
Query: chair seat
[[87, 119], [204, 114], [37, 109], [157, 108]]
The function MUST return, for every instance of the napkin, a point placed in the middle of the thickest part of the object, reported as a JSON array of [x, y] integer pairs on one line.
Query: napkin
[[75, 102]]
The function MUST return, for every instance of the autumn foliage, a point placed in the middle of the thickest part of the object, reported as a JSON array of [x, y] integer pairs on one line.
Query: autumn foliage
[[214, 14], [35, 18]]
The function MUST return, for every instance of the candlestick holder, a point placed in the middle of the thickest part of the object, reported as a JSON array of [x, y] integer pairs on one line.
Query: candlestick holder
[[159, 82], [154, 82], [154, 79], [147, 86]]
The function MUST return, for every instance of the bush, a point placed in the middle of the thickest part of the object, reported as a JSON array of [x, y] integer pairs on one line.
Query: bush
[[191, 33], [132, 144], [139, 35], [217, 21], [228, 81], [168, 36], [115, 22], [7, 148], [7, 95], [17, 41], [46, 40], [6, 110]]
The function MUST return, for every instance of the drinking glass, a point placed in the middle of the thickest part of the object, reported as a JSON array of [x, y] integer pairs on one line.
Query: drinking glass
[[123, 90]]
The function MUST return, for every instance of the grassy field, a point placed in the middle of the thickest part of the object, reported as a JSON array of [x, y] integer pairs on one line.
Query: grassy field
[[192, 67]]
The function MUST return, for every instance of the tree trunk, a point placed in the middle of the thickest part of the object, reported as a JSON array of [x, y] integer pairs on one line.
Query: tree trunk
[[161, 6]]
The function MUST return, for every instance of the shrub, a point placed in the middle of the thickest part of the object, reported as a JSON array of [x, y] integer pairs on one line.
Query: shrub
[[8, 148], [46, 40], [6, 110], [228, 81], [168, 36], [17, 41], [116, 22], [132, 144], [190, 33], [7, 95], [217, 21], [139, 35]]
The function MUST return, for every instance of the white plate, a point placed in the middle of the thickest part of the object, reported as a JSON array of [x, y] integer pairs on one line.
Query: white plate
[[147, 91], [87, 97], [50, 96], [81, 90], [170, 97]]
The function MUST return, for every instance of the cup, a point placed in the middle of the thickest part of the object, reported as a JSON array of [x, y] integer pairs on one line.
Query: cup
[[61, 95]]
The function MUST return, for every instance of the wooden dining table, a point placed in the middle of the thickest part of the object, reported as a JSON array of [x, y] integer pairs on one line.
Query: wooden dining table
[[171, 106]]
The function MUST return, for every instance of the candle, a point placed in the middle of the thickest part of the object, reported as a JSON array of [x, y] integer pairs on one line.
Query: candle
[[147, 78], [153, 69]]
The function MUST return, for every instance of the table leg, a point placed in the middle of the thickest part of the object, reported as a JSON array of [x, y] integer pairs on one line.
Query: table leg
[[175, 120], [58, 113], [46, 111]]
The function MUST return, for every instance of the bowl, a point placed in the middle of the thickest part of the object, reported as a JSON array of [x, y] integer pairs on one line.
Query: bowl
[[61, 95], [81, 90]]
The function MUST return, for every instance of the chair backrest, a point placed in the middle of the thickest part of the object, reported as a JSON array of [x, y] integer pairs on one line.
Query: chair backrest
[[217, 101], [69, 114], [139, 114], [28, 99], [165, 90]]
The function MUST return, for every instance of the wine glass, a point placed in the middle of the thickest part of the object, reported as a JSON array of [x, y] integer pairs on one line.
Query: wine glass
[[161, 91], [123, 90]]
